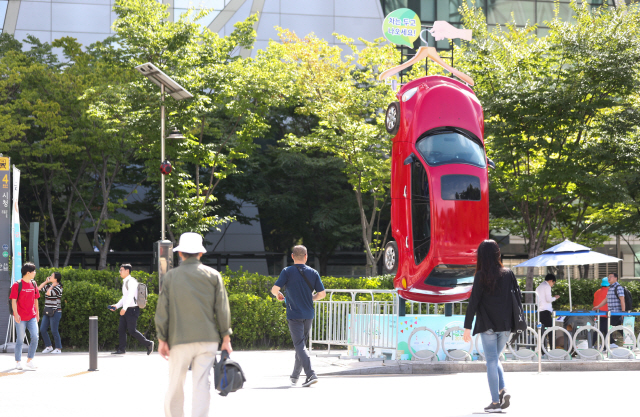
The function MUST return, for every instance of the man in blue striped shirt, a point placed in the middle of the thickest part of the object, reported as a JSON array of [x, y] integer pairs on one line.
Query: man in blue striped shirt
[[615, 300]]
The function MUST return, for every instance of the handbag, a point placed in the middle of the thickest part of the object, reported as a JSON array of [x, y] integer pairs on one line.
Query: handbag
[[519, 324], [227, 374], [50, 311]]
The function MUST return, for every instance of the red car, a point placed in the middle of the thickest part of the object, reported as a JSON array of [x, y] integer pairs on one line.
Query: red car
[[439, 189]]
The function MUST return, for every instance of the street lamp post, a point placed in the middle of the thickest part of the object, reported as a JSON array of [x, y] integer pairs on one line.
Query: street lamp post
[[163, 248], [175, 90]]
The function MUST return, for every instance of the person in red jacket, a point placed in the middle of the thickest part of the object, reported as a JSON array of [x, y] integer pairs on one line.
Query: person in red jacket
[[26, 314], [598, 297]]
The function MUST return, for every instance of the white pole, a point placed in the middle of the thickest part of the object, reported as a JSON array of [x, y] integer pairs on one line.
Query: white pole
[[569, 275], [162, 219]]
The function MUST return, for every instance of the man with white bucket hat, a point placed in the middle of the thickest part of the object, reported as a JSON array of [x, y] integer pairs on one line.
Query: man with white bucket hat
[[192, 316]]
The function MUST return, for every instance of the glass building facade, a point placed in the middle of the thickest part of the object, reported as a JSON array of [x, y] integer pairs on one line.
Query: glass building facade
[[90, 20], [498, 12]]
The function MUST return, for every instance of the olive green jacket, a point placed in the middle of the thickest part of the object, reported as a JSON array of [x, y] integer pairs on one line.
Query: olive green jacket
[[192, 301]]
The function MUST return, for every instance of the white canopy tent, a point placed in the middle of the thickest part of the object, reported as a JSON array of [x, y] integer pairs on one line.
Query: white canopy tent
[[568, 253]]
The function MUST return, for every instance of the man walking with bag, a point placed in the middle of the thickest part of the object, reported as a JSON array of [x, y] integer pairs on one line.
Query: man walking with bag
[[298, 283], [192, 316], [129, 313]]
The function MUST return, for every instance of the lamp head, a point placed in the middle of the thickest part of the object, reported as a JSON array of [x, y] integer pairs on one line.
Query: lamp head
[[175, 134]]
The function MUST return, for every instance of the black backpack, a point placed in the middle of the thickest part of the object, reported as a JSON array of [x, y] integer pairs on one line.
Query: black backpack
[[35, 287], [628, 300], [227, 374]]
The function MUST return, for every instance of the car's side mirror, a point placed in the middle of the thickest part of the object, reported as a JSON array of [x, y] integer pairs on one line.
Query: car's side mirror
[[410, 159], [491, 163]]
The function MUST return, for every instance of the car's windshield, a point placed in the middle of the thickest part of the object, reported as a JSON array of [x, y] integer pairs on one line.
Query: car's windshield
[[451, 148]]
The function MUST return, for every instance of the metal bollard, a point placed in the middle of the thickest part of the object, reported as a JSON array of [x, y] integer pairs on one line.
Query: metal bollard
[[93, 343], [448, 310], [402, 307]]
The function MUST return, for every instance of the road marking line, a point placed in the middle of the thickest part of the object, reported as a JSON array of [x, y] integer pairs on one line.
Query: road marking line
[[79, 373], [11, 373]]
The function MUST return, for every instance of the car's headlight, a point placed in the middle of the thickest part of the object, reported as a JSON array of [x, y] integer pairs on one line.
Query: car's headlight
[[409, 93]]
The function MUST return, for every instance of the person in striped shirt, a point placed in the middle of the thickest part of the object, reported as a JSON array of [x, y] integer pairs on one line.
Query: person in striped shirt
[[52, 289]]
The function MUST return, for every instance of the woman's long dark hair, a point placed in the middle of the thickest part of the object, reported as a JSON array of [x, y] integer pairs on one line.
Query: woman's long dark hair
[[489, 265]]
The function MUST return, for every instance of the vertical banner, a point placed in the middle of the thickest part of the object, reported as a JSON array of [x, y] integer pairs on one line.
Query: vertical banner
[[5, 242], [5, 220], [15, 231]]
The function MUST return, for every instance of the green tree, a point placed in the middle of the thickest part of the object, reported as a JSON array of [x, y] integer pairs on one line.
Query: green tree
[[231, 98], [342, 91], [557, 110], [40, 111]]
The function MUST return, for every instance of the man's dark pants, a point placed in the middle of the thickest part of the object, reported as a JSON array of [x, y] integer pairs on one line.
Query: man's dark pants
[[604, 328], [615, 321], [128, 322], [299, 329], [547, 321]]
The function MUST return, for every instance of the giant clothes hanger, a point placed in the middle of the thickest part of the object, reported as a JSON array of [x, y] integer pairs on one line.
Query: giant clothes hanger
[[440, 31]]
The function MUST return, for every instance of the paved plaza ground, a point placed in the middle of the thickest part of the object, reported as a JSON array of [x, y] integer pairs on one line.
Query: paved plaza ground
[[134, 385]]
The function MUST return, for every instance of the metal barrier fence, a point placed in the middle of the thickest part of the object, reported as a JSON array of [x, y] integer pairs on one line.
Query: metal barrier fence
[[369, 319], [414, 307], [356, 322]]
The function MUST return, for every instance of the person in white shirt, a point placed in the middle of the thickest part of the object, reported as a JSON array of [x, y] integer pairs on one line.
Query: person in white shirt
[[544, 302], [129, 312]]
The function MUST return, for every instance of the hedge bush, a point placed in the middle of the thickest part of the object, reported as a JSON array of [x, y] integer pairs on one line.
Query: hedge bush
[[82, 299], [258, 320], [105, 278]]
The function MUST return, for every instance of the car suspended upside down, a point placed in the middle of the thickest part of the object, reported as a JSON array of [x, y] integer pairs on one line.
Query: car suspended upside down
[[439, 189]]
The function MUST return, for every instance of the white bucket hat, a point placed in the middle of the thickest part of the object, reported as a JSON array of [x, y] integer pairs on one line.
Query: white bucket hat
[[190, 243]]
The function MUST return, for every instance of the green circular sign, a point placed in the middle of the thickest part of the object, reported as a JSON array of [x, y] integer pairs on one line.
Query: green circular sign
[[5, 254], [402, 27]]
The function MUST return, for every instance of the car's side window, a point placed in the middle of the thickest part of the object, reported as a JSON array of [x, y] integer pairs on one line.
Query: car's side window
[[420, 211]]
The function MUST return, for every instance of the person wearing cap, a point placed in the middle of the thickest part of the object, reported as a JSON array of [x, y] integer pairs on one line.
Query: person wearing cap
[[598, 297], [192, 318], [544, 302]]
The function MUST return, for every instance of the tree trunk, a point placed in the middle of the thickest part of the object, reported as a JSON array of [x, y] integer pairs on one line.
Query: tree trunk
[[366, 232], [104, 251], [324, 260]]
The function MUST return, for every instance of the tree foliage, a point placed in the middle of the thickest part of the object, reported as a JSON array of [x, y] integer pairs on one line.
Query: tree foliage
[[340, 88], [559, 117]]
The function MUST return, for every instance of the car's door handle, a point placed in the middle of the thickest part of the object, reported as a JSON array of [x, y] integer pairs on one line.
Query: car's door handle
[[405, 191], [406, 242]]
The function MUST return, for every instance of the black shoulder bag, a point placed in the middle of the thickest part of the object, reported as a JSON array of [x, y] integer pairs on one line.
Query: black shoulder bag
[[299, 268], [519, 324], [50, 311]]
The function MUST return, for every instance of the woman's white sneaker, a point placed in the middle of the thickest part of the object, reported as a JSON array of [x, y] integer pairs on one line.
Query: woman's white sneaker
[[47, 350], [19, 365], [30, 366], [56, 350]]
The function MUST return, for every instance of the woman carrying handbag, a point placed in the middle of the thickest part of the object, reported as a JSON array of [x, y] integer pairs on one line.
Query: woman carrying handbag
[[491, 303], [52, 289]]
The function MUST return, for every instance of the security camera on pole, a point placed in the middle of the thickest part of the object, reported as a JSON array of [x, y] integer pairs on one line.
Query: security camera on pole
[[163, 252]]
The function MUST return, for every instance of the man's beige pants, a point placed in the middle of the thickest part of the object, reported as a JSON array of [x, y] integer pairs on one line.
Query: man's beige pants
[[200, 356]]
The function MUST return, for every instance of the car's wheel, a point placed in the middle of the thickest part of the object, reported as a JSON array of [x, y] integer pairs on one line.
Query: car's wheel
[[391, 258], [392, 118]]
